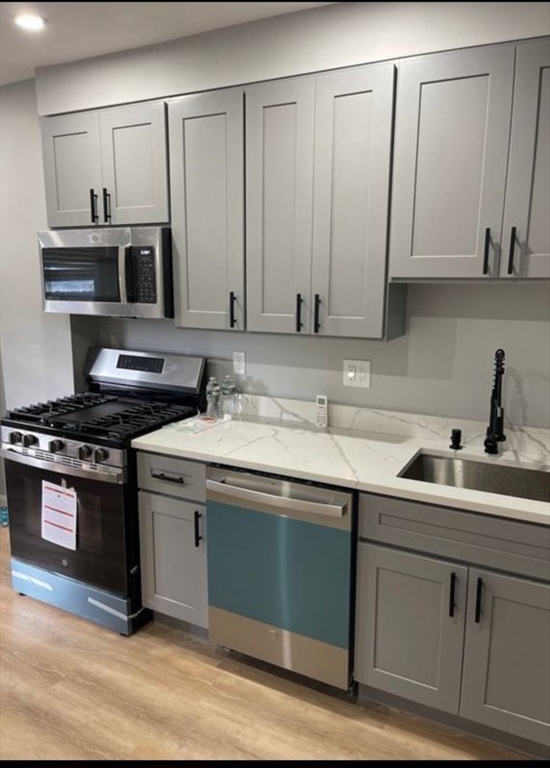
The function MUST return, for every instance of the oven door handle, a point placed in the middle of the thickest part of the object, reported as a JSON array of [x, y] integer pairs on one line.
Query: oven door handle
[[102, 473]]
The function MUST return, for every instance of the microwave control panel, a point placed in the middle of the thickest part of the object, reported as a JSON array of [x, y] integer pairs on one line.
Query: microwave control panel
[[145, 282]]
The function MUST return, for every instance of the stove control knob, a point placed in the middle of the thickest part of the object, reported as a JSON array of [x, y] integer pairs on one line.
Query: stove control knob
[[100, 454], [84, 452], [29, 440], [54, 446], [15, 437]]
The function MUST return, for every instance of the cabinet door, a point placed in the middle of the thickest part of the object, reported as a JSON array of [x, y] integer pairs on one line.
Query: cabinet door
[[353, 129], [173, 557], [279, 190], [207, 209], [407, 641], [526, 236], [451, 151], [72, 169], [506, 682], [134, 164]]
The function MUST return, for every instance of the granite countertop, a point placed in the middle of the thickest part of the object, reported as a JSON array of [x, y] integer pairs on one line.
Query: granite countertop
[[282, 439]]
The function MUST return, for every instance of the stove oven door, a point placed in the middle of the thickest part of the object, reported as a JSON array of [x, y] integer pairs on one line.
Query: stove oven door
[[102, 556]]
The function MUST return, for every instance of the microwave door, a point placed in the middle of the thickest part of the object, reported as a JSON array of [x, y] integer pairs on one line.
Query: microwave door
[[85, 280]]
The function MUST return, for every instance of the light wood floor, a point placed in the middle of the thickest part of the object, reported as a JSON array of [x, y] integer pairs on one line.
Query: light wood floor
[[73, 690]]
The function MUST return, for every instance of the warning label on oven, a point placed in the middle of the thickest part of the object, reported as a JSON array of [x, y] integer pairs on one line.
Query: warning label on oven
[[59, 515]]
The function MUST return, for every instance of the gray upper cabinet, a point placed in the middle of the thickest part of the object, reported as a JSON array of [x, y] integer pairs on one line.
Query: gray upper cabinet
[[106, 167], [451, 153], [279, 187], [526, 235], [353, 129], [207, 207], [318, 169]]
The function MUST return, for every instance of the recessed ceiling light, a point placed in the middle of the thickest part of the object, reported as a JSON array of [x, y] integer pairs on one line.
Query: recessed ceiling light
[[29, 22]]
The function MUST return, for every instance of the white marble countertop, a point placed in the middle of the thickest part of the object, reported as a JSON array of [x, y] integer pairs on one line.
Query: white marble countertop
[[364, 459]]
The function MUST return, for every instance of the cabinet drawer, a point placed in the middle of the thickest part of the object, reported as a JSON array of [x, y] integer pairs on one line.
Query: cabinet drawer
[[171, 476], [494, 542]]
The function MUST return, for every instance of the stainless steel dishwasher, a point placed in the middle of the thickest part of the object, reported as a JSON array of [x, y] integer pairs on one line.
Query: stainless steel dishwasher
[[280, 572]]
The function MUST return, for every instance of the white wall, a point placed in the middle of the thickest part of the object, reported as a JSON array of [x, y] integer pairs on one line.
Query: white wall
[[36, 348], [443, 365], [307, 41]]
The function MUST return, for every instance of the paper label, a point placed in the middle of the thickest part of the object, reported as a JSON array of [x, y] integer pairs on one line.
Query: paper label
[[59, 515]]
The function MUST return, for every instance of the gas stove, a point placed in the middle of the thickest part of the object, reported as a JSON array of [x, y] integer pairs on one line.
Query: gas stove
[[86, 560]]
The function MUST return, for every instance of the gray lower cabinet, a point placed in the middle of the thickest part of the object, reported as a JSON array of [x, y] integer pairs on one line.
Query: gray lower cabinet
[[172, 532], [410, 625], [207, 209], [106, 167], [440, 627], [318, 169]]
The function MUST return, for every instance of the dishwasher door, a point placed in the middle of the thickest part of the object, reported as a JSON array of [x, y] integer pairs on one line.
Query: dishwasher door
[[279, 572]]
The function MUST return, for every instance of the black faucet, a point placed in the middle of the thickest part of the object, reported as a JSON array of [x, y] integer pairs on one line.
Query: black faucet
[[495, 432]]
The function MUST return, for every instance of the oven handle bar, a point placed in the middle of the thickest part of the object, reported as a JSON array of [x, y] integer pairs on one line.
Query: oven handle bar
[[283, 504], [102, 474]]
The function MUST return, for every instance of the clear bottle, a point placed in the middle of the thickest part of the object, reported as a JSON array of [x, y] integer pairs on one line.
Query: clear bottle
[[228, 390], [213, 398]]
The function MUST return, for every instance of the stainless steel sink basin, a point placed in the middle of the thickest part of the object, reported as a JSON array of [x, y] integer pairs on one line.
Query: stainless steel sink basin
[[480, 476]]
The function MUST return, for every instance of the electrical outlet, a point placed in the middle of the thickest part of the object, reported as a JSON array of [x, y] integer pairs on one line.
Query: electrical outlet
[[239, 363], [356, 373]]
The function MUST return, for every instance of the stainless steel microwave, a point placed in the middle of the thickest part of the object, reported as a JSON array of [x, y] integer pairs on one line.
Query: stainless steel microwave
[[115, 272]]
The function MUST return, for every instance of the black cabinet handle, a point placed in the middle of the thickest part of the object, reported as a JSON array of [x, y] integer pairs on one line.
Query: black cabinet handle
[[232, 300], [197, 516], [299, 324], [452, 594], [486, 251], [106, 205], [162, 476], [511, 254], [93, 209], [479, 591], [316, 323]]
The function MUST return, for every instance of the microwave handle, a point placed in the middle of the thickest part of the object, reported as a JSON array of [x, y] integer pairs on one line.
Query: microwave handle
[[122, 278], [129, 274]]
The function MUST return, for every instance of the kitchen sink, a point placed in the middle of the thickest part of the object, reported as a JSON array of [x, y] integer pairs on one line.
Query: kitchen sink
[[480, 476]]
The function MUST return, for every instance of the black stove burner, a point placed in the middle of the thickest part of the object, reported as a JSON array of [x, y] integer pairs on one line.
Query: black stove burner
[[89, 415]]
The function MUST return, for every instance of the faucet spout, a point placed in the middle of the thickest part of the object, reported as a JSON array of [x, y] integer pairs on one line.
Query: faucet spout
[[495, 430]]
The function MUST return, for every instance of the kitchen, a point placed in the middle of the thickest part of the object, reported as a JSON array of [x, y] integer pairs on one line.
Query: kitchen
[[437, 376]]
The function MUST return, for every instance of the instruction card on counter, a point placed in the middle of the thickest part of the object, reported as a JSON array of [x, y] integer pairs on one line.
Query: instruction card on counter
[[59, 515]]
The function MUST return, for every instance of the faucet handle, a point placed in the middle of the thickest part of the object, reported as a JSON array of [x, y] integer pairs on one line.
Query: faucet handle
[[456, 436]]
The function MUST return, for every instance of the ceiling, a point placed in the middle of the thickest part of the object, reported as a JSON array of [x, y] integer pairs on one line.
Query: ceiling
[[82, 30]]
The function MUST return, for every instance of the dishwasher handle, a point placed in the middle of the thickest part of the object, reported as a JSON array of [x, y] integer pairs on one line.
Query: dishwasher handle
[[282, 503]]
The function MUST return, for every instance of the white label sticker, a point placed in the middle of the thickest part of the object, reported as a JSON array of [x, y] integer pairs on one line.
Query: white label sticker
[[59, 515]]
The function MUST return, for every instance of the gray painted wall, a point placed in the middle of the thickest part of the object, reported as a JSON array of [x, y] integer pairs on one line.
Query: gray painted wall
[[442, 366], [333, 36]]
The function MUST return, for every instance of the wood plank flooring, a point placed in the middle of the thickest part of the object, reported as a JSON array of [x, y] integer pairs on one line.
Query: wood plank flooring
[[70, 690]]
